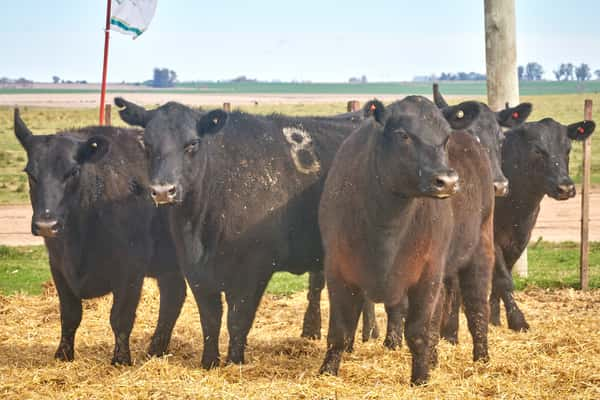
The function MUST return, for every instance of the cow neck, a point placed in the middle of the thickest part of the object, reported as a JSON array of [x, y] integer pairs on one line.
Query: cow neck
[[202, 194], [384, 209], [522, 203]]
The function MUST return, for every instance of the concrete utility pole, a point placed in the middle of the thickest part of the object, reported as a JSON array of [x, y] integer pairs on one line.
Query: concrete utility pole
[[501, 63]]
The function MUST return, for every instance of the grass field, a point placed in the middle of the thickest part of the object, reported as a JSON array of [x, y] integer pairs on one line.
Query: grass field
[[13, 183], [25, 269], [462, 88]]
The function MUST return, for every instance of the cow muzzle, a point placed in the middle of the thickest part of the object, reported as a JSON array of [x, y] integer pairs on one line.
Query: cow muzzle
[[163, 194], [501, 188], [565, 192], [444, 185], [46, 228]]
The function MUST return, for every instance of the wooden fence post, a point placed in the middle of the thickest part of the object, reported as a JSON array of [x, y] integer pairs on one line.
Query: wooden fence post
[[353, 105], [107, 116], [227, 107], [584, 278]]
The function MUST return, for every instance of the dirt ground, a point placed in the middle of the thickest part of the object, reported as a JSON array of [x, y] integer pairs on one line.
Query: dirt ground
[[558, 221]]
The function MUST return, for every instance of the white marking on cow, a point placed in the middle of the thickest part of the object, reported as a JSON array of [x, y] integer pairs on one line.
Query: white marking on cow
[[301, 140]]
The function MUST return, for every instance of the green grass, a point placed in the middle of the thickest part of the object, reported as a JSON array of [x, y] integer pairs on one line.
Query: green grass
[[564, 108], [23, 269], [452, 88], [551, 265]]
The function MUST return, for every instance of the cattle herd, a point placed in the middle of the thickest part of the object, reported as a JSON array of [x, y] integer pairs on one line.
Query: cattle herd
[[418, 205]]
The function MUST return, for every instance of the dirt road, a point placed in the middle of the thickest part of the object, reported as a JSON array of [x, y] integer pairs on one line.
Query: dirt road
[[559, 221]]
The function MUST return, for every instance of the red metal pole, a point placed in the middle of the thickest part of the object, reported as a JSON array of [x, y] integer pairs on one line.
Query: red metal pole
[[105, 66]]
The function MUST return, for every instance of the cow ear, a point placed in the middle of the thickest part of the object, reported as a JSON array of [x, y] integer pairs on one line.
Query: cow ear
[[211, 122], [22, 132], [132, 113], [512, 117], [375, 109], [438, 99], [462, 115], [581, 130], [92, 150]]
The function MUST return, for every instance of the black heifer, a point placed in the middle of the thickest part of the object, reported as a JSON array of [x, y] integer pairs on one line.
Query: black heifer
[[244, 194], [386, 232], [101, 230], [487, 129], [535, 158]]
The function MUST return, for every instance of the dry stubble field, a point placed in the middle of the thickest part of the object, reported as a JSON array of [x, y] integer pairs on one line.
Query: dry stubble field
[[557, 359]]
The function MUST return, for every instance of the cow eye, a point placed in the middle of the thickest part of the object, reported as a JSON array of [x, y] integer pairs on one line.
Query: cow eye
[[192, 146], [72, 173]]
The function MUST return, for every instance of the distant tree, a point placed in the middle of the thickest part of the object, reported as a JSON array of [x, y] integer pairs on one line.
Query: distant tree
[[534, 71], [597, 73], [583, 72], [55, 79], [569, 68], [520, 72]]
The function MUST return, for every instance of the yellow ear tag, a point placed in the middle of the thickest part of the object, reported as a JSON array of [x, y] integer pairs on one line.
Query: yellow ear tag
[[460, 114]]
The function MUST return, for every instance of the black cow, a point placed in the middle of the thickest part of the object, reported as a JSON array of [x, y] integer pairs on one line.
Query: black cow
[[101, 230], [244, 194], [487, 129], [535, 158], [386, 232]]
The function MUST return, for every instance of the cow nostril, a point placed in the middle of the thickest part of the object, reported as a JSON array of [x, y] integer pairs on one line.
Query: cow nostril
[[153, 193], [440, 183], [172, 191]]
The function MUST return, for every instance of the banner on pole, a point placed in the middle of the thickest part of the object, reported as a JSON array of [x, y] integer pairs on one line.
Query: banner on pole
[[131, 17]]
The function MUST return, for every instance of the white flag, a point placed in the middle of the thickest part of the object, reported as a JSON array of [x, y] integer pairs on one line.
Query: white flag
[[131, 17]]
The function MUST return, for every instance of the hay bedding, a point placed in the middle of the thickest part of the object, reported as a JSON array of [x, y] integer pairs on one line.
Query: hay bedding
[[559, 359]]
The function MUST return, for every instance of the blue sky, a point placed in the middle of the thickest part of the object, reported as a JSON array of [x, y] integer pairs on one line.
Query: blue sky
[[301, 40]]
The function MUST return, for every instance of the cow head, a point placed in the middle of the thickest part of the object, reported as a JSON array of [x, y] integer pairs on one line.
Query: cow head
[[539, 152], [409, 147], [54, 164], [174, 140], [486, 128]]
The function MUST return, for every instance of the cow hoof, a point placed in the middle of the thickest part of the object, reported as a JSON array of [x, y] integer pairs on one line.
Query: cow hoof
[[418, 381], [311, 335], [370, 334], [392, 342], [516, 322], [210, 362], [452, 339], [121, 359], [64, 353], [329, 369], [157, 348]]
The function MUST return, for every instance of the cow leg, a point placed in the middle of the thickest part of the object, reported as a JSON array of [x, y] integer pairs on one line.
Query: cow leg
[[122, 315], [172, 295], [345, 305], [422, 300], [435, 329], [311, 328], [505, 287], [474, 285], [501, 282], [70, 317], [451, 310], [242, 303], [395, 320], [210, 308], [370, 329]]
